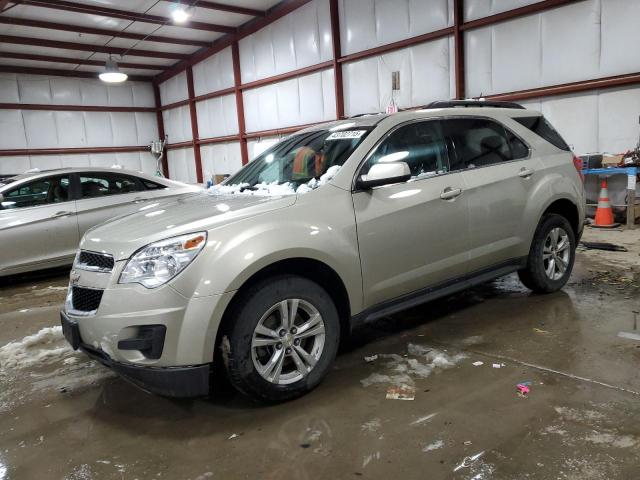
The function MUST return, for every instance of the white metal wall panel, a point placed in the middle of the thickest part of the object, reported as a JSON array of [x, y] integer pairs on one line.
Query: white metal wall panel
[[302, 100], [182, 165], [220, 159], [137, 161], [217, 117], [12, 132], [19, 88], [474, 9], [582, 41], [297, 40], [620, 37], [425, 75], [174, 89], [177, 124], [214, 74], [596, 121], [366, 24], [62, 129]]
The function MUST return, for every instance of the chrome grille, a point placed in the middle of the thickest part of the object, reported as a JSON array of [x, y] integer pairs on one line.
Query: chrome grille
[[85, 299], [93, 261]]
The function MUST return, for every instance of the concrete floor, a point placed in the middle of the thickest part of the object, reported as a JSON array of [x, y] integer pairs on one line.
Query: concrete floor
[[64, 417]]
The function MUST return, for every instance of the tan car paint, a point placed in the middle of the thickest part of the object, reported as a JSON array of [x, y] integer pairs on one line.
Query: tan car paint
[[354, 233]]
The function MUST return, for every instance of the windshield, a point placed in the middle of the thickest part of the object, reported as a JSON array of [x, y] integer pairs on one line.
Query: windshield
[[298, 164]]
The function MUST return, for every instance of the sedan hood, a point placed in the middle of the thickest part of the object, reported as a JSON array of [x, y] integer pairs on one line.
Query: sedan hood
[[156, 221]]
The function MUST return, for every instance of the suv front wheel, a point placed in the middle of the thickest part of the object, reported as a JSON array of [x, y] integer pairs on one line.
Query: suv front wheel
[[551, 256], [282, 339]]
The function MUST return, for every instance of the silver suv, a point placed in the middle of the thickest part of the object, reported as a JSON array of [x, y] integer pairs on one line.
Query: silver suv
[[335, 225]]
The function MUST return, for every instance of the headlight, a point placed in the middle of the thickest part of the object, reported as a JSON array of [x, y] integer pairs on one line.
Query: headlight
[[159, 262]]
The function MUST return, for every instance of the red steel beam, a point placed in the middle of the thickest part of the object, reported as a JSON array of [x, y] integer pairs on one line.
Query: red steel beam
[[567, 88], [62, 73], [516, 13], [237, 79], [41, 42], [24, 22], [219, 93], [287, 76], [3, 4], [372, 52], [278, 131], [161, 132], [458, 38], [70, 151], [228, 138], [195, 136], [221, 7], [124, 14], [174, 146], [73, 108], [180, 103], [75, 61], [337, 53]]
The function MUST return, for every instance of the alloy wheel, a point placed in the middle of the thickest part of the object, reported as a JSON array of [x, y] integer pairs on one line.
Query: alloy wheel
[[556, 253]]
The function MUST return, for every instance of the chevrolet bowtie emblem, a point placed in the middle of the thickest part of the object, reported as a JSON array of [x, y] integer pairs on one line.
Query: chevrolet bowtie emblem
[[74, 277]]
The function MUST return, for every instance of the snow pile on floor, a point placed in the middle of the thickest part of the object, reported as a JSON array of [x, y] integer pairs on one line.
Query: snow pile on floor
[[420, 362], [274, 189], [45, 347], [42, 362]]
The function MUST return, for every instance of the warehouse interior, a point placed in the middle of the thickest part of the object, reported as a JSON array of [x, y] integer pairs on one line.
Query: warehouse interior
[[211, 86]]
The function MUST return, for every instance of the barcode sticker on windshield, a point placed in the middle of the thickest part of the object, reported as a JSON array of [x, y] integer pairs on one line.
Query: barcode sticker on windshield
[[347, 135]]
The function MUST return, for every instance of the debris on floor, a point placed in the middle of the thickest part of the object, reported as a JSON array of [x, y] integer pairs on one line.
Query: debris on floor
[[370, 359], [424, 419], [403, 392], [477, 364], [629, 335], [609, 247], [523, 389], [468, 461], [437, 445]]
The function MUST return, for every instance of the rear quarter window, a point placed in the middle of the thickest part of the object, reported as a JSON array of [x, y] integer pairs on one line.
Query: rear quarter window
[[541, 127]]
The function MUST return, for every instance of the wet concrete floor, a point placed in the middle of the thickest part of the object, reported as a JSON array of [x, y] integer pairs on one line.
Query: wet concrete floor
[[63, 417]]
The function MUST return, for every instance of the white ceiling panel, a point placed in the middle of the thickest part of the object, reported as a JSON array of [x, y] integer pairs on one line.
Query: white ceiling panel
[[129, 5], [205, 15], [34, 64], [35, 50], [62, 16], [152, 46], [163, 62], [57, 35], [187, 33]]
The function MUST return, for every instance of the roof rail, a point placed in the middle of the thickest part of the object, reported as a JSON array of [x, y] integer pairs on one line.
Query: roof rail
[[474, 104]]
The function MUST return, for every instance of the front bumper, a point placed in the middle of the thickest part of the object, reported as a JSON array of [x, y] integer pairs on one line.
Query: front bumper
[[186, 381]]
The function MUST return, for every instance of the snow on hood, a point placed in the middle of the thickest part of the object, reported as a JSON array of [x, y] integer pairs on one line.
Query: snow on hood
[[274, 189]]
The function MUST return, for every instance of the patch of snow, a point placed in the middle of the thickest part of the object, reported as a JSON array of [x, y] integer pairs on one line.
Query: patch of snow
[[274, 189], [434, 446], [609, 439], [41, 347], [372, 425]]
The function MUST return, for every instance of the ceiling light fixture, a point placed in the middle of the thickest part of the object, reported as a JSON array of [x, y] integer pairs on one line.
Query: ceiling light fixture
[[179, 14], [112, 73]]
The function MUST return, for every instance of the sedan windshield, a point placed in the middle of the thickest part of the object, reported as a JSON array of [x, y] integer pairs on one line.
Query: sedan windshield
[[298, 164]]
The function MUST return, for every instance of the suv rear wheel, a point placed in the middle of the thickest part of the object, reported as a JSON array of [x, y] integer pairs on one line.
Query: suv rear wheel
[[282, 340], [551, 256]]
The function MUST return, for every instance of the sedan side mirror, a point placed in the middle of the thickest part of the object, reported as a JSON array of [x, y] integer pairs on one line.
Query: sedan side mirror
[[384, 174]]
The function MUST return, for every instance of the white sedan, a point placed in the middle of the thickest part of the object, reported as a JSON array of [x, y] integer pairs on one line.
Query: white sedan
[[44, 214]]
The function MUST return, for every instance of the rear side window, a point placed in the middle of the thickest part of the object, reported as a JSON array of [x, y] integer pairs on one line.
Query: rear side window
[[149, 185], [479, 142], [541, 127]]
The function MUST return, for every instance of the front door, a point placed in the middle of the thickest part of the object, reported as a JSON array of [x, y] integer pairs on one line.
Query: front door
[[412, 235], [38, 224]]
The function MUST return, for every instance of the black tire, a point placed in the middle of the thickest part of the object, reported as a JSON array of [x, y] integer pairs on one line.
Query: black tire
[[533, 276], [237, 340]]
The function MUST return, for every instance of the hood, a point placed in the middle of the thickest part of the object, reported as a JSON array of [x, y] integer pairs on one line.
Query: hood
[[156, 221]]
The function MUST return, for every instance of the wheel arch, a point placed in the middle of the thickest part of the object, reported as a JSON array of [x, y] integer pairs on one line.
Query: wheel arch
[[567, 209]]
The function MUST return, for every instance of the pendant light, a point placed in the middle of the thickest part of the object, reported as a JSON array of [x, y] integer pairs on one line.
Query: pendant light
[[112, 73]]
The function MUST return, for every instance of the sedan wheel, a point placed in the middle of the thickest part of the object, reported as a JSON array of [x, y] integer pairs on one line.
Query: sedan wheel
[[556, 253]]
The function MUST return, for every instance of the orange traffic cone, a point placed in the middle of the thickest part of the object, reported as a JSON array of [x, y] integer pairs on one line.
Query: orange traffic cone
[[604, 213]]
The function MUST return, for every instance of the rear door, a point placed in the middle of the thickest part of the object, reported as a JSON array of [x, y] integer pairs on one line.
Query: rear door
[[104, 195], [499, 175], [412, 235], [38, 224]]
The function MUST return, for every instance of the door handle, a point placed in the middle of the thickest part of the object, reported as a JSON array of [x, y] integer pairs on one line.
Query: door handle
[[526, 172], [61, 214], [450, 193]]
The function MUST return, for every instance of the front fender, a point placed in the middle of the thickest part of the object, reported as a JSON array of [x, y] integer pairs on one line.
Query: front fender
[[320, 226]]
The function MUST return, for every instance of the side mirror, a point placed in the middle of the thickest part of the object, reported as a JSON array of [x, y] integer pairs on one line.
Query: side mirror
[[384, 174]]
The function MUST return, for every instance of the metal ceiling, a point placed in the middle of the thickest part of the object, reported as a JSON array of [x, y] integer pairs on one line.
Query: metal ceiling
[[78, 36]]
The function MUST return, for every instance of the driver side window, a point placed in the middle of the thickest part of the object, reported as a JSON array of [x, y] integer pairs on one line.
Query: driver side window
[[43, 191], [421, 145]]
